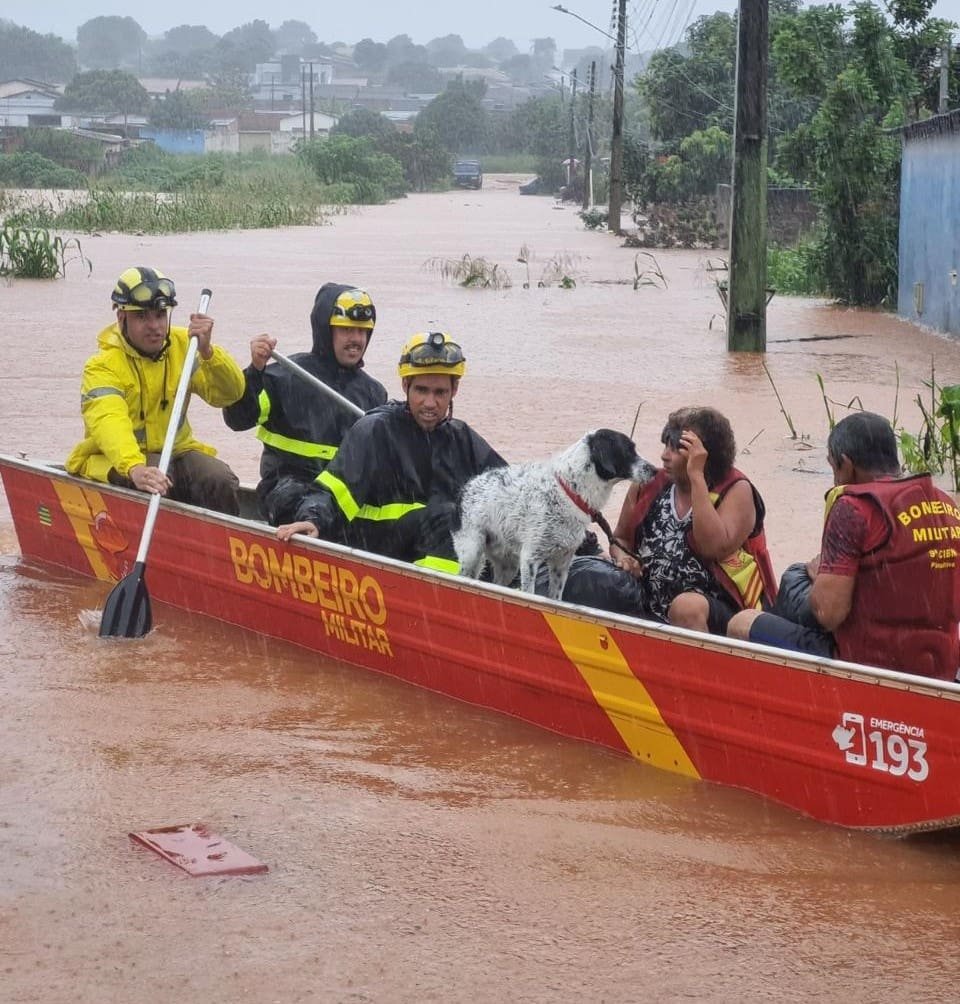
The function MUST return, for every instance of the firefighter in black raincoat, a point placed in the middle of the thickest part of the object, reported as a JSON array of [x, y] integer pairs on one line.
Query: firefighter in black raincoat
[[393, 485], [301, 429]]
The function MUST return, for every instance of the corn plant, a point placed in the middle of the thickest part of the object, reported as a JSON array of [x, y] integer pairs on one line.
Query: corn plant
[[32, 253]]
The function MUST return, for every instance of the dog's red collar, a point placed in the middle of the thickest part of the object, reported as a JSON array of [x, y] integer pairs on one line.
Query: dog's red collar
[[575, 498]]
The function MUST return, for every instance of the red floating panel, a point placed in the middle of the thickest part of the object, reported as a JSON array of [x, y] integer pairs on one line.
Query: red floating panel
[[198, 850]]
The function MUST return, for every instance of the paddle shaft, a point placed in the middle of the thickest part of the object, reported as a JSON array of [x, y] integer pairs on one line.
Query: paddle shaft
[[317, 383], [174, 424]]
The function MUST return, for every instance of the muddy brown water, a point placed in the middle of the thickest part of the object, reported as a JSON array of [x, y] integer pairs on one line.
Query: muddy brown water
[[420, 849]]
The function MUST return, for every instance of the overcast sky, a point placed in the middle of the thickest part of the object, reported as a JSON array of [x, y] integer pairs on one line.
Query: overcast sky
[[476, 21], [653, 23]]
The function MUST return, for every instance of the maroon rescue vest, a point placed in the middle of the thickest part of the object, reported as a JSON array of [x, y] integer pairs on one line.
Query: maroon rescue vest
[[906, 602], [747, 574]]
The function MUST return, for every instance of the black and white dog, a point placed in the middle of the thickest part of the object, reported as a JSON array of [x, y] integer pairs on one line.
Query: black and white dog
[[530, 515]]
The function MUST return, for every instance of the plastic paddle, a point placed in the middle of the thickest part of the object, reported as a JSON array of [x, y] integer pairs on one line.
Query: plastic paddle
[[126, 614], [317, 382]]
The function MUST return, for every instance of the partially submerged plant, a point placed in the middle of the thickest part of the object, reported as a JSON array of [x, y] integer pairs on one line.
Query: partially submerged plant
[[560, 270], [470, 271], [936, 445], [649, 276], [32, 253], [786, 415], [853, 404]]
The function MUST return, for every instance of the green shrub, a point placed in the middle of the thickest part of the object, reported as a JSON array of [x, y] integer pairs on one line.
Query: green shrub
[[32, 170], [796, 271]]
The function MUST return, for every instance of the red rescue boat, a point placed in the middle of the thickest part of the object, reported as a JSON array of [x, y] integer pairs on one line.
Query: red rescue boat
[[843, 743]]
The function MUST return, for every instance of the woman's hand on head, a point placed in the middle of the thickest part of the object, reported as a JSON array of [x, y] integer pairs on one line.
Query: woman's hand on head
[[694, 452]]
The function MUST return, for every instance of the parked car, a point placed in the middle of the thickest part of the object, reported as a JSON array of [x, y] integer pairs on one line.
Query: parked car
[[532, 187], [468, 174]]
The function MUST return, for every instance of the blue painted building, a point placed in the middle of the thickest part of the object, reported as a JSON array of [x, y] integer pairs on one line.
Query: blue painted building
[[175, 140], [930, 223]]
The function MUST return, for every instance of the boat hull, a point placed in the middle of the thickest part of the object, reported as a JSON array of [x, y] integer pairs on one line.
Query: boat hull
[[845, 744]]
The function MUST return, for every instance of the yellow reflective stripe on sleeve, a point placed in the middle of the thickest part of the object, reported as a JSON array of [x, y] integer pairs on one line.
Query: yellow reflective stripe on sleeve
[[350, 509], [263, 399], [439, 564], [341, 493], [299, 447], [620, 694]]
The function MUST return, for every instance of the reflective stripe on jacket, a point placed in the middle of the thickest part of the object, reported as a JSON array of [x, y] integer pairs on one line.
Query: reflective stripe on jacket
[[299, 427], [125, 401]]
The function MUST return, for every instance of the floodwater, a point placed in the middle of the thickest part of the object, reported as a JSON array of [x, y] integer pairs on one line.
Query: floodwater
[[421, 849]]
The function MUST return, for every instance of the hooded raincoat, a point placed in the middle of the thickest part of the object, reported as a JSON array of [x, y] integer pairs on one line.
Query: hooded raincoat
[[300, 428], [393, 487], [126, 397]]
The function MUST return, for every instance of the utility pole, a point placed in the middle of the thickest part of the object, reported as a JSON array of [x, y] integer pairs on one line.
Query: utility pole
[[303, 100], [573, 129], [588, 155], [311, 101], [747, 283], [944, 78], [616, 140]]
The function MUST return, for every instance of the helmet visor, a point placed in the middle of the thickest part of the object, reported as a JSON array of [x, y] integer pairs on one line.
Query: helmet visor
[[433, 354], [156, 294]]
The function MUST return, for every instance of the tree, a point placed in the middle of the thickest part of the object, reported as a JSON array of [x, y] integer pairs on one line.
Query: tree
[[370, 56], [363, 122], [110, 42], [544, 52], [446, 51], [457, 116], [689, 92], [521, 69], [293, 37], [500, 49], [178, 110], [243, 47], [371, 176], [108, 91], [26, 53], [186, 51], [401, 49], [424, 159], [416, 78]]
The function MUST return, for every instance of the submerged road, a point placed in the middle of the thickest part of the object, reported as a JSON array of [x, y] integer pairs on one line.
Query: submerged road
[[421, 849]]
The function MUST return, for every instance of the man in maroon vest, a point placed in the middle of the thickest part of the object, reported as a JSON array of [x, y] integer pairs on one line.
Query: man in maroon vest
[[885, 588]]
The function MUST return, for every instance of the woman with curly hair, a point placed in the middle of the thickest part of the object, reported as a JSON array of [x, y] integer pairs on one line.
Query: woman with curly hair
[[693, 536]]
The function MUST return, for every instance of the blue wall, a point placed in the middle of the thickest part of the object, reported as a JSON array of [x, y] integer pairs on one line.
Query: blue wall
[[930, 229], [175, 140]]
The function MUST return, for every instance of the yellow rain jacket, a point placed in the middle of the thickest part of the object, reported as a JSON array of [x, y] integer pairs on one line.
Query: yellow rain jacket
[[126, 399]]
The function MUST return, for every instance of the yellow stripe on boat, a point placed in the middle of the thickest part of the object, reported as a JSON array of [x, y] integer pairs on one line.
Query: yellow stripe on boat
[[81, 508], [622, 696]]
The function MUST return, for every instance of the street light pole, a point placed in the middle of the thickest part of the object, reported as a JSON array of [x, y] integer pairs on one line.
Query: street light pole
[[616, 140]]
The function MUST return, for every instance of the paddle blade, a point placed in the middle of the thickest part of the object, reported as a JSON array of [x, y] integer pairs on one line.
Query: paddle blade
[[126, 614]]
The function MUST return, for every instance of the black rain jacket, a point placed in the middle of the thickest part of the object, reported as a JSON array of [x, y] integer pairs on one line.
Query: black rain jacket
[[299, 426]]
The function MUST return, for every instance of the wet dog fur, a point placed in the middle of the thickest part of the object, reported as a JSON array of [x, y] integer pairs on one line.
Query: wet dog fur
[[520, 518]]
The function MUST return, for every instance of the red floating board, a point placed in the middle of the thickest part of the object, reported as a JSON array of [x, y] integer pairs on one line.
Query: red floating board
[[198, 850]]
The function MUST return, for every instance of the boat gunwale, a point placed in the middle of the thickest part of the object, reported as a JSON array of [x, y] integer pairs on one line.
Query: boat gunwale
[[752, 651]]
